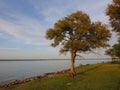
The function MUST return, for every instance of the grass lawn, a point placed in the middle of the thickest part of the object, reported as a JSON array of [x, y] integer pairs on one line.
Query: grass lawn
[[103, 76]]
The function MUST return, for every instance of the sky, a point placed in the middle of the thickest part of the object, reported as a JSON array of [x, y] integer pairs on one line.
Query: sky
[[23, 24]]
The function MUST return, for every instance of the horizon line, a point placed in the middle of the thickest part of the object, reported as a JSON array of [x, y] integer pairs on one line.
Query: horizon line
[[54, 59]]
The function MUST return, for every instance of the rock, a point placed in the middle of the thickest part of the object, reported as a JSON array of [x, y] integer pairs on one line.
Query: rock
[[48, 74], [16, 82], [12, 83], [57, 72], [63, 71], [45, 75], [38, 77]]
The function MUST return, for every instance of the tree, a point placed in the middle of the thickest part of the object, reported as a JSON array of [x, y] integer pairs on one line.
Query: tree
[[113, 11], [111, 53], [76, 34], [114, 51]]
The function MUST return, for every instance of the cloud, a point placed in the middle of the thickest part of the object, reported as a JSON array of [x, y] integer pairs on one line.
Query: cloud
[[24, 28], [30, 30], [56, 9], [50, 10]]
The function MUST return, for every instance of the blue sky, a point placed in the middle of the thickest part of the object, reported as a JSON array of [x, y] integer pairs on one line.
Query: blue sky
[[23, 24]]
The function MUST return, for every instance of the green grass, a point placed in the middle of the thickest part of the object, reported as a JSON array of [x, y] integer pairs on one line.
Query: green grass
[[102, 76]]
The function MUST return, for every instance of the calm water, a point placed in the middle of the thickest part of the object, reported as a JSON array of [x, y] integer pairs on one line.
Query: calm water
[[10, 70]]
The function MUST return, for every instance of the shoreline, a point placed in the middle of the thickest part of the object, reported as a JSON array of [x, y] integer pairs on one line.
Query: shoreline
[[15, 82]]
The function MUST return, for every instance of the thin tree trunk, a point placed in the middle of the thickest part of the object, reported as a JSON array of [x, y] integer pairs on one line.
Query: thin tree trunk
[[72, 68]]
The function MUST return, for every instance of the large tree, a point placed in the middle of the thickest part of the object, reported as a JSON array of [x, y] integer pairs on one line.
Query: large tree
[[76, 34], [113, 11]]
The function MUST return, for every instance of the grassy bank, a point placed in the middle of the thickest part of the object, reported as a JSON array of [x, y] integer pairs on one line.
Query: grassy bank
[[104, 76]]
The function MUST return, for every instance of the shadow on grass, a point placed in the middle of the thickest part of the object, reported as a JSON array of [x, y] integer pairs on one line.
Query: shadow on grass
[[89, 69], [118, 87]]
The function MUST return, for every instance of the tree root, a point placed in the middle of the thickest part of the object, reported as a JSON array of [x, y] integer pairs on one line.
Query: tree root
[[72, 74]]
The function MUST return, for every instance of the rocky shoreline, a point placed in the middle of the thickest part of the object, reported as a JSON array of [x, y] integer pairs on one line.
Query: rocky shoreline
[[17, 82]]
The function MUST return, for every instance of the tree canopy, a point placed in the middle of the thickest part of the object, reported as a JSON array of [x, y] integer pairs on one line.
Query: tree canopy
[[76, 33], [114, 51], [113, 11]]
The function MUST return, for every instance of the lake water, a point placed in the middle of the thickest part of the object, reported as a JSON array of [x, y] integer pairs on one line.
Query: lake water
[[10, 70]]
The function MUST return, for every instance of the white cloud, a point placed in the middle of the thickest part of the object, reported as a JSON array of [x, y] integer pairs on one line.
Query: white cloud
[[24, 28], [50, 10], [60, 8], [32, 31]]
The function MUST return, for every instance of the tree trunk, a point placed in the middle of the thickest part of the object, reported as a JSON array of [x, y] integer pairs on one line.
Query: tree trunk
[[72, 68]]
